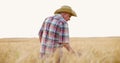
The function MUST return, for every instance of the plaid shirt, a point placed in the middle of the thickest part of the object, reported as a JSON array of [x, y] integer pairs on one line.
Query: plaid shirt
[[54, 31]]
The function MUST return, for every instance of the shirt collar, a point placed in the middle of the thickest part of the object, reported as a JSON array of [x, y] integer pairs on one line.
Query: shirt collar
[[59, 16]]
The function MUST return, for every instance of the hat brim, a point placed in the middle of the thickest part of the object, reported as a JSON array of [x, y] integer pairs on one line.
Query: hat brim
[[65, 10]]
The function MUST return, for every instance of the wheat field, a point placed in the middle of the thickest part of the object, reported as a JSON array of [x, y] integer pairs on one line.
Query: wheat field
[[93, 50]]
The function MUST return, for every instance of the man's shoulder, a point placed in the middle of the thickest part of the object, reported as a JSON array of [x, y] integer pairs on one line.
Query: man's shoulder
[[56, 19], [49, 17]]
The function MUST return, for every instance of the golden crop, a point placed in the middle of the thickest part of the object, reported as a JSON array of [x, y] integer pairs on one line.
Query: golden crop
[[93, 50]]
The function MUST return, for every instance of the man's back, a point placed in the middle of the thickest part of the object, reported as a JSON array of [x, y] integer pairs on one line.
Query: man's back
[[53, 32]]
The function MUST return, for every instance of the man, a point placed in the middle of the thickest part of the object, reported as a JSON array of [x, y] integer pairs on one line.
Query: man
[[54, 33]]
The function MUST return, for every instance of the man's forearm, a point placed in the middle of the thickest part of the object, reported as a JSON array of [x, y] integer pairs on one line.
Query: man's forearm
[[68, 47], [40, 39]]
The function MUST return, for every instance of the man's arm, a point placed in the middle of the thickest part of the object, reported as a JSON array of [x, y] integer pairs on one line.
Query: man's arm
[[41, 31], [68, 47], [40, 35], [40, 39]]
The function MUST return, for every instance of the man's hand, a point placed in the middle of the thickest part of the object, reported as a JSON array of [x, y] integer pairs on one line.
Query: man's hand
[[68, 47]]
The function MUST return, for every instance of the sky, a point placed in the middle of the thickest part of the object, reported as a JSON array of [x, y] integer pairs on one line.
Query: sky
[[96, 18]]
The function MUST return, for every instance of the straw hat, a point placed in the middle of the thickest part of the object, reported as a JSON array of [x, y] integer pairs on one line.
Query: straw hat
[[66, 9]]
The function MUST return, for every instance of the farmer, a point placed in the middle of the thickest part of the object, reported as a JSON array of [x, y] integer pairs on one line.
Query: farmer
[[54, 32]]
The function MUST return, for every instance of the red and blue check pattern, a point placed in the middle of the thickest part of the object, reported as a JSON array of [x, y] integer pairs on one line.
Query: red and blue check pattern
[[53, 33]]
